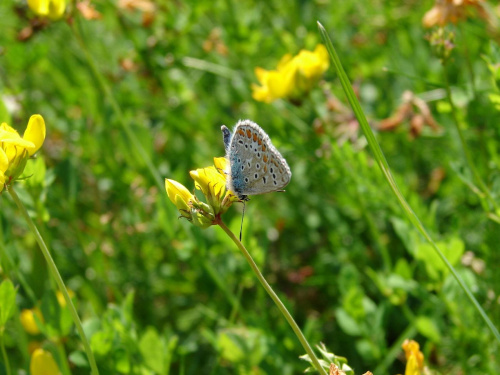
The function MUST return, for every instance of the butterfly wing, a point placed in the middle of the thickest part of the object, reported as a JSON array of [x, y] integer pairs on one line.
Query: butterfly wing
[[256, 166]]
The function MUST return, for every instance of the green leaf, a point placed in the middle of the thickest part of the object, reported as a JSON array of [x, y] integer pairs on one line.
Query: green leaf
[[428, 328], [347, 323], [7, 301], [153, 350]]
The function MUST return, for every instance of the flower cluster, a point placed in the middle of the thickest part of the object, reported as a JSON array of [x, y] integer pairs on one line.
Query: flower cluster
[[15, 151], [294, 76], [53, 9], [212, 183]]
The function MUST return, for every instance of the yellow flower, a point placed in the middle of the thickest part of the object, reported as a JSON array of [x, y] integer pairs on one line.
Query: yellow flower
[[414, 357], [28, 320], [212, 183], [294, 76], [450, 11], [15, 151], [42, 363], [54, 9]]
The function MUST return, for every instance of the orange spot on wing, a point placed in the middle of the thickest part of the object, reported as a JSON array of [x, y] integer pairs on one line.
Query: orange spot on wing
[[264, 148], [265, 168], [241, 132], [265, 159], [249, 133], [260, 141], [255, 137]]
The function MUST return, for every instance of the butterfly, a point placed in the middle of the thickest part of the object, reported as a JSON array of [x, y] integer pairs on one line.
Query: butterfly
[[255, 165]]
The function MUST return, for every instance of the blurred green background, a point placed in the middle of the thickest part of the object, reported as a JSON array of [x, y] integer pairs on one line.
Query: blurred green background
[[158, 295]]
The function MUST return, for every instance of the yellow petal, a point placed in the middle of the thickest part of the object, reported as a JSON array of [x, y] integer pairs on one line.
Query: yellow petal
[[221, 164], [284, 61], [40, 7], [261, 75], [56, 9], [412, 366], [4, 161], [7, 131], [42, 363], [281, 84], [35, 133]]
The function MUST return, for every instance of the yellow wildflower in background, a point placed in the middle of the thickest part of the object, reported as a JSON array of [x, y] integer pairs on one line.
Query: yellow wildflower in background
[[28, 320], [53, 9], [43, 363], [294, 76], [414, 357], [450, 11], [212, 183], [15, 151]]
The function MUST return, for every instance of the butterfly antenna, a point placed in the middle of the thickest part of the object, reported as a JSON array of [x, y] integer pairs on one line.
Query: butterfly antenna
[[242, 216]]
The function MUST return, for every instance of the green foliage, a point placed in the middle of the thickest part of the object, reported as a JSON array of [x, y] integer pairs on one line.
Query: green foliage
[[159, 296], [7, 302]]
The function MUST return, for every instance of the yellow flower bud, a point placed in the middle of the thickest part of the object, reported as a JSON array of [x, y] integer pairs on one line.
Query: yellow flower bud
[[180, 196]]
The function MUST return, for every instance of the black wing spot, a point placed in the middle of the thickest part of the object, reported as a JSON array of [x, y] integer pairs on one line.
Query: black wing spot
[[258, 154], [239, 160], [274, 176], [246, 146], [246, 179], [256, 176], [272, 170], [275, 183], [249, 165], [264, 179], [242, 167], [240, 142], [257, 166]]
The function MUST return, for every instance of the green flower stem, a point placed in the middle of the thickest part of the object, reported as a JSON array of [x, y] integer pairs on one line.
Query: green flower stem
[[275, 298], [55, 273], [465, 149], [4, 355], [384, 167]]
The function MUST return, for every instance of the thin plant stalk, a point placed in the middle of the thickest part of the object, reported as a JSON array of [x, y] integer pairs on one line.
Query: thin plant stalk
[[384, 167], [4, 355], [275, 298], [57, 276]]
